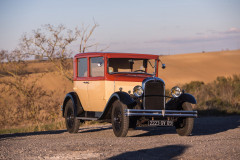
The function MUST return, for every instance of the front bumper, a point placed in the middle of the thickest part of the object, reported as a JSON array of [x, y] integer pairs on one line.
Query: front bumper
[[160, 113]]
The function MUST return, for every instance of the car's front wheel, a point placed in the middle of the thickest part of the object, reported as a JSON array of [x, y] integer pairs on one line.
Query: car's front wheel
[[72, 123], [120, 122], [184, 125]]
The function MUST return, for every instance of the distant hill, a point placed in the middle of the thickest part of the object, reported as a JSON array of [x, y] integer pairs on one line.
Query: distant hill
[[184, 68]]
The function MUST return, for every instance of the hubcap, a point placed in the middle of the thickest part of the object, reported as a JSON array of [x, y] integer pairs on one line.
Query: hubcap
[[117, 119]]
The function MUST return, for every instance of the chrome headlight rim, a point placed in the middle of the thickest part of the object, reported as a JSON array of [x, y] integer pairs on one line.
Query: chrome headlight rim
[[138, 91], [176, 91]]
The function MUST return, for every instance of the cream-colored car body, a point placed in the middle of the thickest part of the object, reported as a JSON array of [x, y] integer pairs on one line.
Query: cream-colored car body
[[94, 95]]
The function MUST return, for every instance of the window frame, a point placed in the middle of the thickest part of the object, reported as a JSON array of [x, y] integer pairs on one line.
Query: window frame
[[88, 78]]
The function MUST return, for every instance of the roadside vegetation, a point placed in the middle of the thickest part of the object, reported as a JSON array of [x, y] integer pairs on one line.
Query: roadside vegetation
[[21, 114], [221, 97]]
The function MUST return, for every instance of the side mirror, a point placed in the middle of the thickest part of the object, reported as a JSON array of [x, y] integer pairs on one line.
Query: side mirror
[[163, 66]]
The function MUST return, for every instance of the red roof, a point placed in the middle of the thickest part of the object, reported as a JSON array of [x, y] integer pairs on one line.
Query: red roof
[[117, 55]]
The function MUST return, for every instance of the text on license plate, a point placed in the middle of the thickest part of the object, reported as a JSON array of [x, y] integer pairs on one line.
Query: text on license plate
[[160, 123]]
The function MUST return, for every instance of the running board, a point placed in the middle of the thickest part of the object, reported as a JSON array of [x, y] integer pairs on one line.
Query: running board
[[87, 118], [160, 113]]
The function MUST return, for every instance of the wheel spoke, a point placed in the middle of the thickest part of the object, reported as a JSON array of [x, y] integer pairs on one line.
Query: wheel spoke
[[70, 118], [72, 123], [119, 121]]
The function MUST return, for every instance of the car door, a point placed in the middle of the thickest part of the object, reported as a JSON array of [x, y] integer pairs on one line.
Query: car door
[[96, 85], [81, 85]]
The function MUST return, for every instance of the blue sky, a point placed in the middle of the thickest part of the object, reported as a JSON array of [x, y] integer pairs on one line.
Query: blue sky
[[140, 26]]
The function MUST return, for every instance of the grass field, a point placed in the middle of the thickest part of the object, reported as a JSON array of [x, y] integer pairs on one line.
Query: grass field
[[205, 67]]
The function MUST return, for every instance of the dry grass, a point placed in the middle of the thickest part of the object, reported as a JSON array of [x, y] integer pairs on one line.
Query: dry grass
[[49, 93]]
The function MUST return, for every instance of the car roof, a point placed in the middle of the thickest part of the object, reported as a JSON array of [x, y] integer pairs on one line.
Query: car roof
[[117, 55]]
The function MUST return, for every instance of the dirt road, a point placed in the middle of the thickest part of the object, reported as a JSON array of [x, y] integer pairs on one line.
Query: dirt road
[[212, 138]]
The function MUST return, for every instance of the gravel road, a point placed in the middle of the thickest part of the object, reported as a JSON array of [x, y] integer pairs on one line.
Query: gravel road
[[212, 138]]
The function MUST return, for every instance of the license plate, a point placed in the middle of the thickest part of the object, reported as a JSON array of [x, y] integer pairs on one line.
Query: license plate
[[160, 123]]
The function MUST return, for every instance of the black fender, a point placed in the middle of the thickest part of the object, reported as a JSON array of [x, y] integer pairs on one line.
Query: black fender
[[124, 97], [186, 97], [76, 103], [175, 103]]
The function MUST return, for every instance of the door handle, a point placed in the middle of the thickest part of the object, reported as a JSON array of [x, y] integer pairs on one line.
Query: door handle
[[86, 82]]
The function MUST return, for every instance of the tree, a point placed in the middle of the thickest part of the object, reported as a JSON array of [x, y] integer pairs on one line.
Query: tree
[[22, 97], [54, 44], [13, 63]]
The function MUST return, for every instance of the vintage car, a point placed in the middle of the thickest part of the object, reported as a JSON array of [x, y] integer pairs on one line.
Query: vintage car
[[124, 89]]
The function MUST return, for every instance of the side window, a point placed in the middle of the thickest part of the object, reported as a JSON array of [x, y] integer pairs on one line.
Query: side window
[[82, 67], [96, 67]]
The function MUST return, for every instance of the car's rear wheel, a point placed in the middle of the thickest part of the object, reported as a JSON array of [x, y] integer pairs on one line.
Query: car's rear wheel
[[72, 123], [120, 122], [184, 125]]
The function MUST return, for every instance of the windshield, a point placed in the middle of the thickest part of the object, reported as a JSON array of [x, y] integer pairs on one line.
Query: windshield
[[130, 65]]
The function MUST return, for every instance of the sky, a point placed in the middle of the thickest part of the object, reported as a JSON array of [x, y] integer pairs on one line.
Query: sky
[[138, 26]]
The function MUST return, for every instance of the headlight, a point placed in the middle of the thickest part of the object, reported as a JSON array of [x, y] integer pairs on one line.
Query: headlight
[[176, 91], [138, 91]]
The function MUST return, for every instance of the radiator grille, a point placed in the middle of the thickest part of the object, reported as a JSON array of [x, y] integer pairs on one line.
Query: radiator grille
[[153, 98]]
